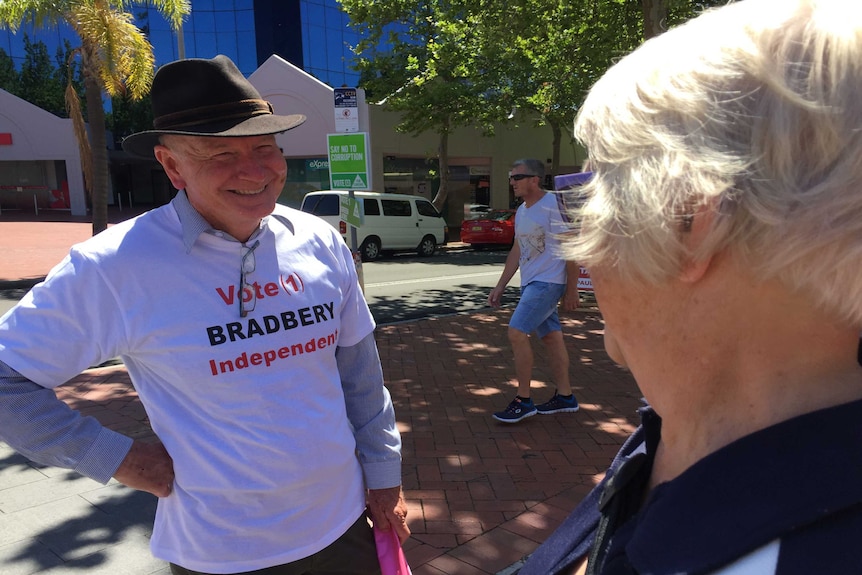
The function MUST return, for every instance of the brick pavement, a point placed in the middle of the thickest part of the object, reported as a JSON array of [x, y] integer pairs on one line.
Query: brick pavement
[[31, 245], [482, 494]]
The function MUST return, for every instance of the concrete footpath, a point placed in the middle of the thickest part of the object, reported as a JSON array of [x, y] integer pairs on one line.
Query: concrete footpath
[[482, 495]]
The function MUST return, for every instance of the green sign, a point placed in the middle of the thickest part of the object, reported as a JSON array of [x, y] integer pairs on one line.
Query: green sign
[[351, 211], [348, 161]]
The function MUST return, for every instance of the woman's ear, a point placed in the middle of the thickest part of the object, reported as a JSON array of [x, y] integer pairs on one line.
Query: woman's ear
[[693, 270], [695, 227]]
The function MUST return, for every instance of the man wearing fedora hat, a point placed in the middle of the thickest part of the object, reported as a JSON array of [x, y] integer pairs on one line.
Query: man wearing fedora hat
[[247, 338]]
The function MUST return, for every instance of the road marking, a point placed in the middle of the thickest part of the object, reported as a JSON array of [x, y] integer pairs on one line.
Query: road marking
[[436, 279]]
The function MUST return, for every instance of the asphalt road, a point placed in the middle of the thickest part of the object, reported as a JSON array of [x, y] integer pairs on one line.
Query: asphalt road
[[10, 296], [407, 287]]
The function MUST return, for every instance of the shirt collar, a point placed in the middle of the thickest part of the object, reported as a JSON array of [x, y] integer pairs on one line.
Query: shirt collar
[[194, 224], [764, 484]]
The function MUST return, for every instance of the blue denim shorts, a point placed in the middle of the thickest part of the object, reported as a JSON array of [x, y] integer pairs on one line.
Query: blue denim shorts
[[537, 309]]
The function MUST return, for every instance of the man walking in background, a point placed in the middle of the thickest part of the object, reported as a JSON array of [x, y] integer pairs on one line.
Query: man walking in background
[[545, 279]]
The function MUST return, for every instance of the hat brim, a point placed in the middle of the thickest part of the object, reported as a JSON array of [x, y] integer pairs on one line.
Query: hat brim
[[142, 143]]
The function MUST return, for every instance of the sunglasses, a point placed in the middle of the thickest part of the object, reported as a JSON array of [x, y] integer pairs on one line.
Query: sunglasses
[[519, 177]]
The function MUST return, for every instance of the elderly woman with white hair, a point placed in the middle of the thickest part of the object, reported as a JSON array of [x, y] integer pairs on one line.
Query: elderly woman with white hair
[[723, 233]]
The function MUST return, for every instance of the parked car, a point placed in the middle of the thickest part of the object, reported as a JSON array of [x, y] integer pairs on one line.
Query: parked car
[[494, 228], [391, 222], [473, 211]]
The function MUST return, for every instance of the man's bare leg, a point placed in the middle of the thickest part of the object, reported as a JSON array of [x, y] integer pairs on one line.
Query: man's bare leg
[[559, 357], [523, 354]]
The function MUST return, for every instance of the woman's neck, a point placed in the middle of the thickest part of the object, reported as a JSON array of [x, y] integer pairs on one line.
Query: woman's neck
[[692, 430]]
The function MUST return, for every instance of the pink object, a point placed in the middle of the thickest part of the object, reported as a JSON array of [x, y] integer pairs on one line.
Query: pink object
[[389, 553]]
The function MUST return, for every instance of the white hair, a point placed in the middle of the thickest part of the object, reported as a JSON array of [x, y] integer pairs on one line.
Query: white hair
[[753, 112]]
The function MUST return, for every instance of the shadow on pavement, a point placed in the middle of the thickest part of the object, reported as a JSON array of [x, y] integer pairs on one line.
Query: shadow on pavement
[[435, 302], [102, 518], [483, 492]]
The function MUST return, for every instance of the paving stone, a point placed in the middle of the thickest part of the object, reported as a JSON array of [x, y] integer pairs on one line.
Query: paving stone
[[26, 557], [48, 489]]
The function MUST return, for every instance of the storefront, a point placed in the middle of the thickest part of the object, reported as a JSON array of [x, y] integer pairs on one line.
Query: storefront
[[304, 175], [40, 167]]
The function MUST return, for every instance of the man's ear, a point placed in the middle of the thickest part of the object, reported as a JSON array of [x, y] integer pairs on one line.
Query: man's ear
[[695, 227], [169, 162]]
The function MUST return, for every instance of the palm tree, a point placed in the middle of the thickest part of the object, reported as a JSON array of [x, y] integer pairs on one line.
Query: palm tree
[[115, 57]]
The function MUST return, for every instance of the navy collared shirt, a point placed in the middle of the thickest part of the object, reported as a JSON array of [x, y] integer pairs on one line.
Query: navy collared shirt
[[793, 489]]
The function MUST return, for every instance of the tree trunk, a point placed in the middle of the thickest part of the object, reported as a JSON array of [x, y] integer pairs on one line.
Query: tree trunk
[[443, 161], [555, 150], [655, 17], [99, 151]]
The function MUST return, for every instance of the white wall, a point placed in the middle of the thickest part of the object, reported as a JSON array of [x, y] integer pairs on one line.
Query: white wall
[[40, 136], [291, 90]]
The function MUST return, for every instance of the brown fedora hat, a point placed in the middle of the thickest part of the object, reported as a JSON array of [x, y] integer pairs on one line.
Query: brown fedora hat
[[199, 97]]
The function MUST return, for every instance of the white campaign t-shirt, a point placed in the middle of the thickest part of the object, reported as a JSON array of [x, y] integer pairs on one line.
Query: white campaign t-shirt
[[250, 409], [536, 230]]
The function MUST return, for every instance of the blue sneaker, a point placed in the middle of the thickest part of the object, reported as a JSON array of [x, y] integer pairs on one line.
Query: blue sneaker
[[558, 404], [516, 411]]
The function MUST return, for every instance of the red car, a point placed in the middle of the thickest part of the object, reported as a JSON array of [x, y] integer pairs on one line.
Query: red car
[[494, 228]]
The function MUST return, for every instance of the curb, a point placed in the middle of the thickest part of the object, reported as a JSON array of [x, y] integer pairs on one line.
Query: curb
[[19, 284], [27, 283]]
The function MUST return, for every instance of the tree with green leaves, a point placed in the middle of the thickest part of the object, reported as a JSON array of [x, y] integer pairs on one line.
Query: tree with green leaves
[[555, 51], [9, 78], [462, 63], [419, 59], [449, 64], [39, 82], [115, 57], [550, 54], [129, 116]]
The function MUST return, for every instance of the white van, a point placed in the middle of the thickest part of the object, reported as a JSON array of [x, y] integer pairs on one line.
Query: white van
[[391, 222]]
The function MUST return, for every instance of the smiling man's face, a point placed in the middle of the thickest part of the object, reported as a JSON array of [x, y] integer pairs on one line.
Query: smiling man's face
[[232, 182]]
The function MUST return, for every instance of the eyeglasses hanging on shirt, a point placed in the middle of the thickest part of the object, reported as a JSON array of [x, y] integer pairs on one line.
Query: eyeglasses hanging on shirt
[[247, 295]]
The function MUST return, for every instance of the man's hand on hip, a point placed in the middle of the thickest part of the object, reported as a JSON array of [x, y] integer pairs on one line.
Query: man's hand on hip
[[147, 467]]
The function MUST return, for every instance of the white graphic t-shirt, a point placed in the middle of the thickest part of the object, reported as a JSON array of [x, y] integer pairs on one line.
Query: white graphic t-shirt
[[251, 408], [536, 230]]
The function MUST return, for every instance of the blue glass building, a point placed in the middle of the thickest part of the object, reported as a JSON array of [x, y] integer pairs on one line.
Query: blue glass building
[[310, 34]]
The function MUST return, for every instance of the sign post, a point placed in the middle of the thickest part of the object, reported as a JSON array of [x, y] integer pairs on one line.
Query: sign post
[[348, 161], [568, 184], [348, 170], [346, 110], [348, 150]]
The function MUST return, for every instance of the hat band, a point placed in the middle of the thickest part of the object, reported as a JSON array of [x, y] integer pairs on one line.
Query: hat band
[[209, 114]]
